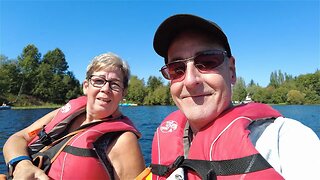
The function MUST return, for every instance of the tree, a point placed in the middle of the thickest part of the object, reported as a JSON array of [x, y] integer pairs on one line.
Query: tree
[[56, 60], [10, 77], [239, 92], [252, 83], [153, 83], [72, 86], [43, 87], [136, 90], [273, 79], [279, 95], [295, 97], [29, 62], [261, 95]]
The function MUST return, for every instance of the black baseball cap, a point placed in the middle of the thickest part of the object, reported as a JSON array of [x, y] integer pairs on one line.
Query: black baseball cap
[[178, 23]]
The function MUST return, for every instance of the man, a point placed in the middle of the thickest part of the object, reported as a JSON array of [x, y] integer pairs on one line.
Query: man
[[209, 137]]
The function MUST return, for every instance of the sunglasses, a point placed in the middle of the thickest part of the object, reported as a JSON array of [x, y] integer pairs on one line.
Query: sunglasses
[[205, 61]]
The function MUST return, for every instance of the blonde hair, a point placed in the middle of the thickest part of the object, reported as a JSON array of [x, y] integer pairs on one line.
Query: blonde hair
[[109, 61]]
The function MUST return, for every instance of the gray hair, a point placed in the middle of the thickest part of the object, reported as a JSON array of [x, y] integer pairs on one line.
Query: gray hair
[[109, 61]]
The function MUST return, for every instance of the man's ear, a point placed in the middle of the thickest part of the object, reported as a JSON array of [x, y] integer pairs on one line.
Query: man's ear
[[85, 86], [232, 70]]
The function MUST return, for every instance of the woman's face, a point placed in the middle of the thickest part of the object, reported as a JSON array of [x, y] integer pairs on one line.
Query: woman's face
[[103, 101]]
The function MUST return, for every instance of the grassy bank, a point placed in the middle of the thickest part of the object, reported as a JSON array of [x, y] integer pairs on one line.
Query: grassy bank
[[26, 102], [52, 106]]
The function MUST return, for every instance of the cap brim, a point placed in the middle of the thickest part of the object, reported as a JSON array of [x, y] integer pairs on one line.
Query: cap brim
[[173, 25]]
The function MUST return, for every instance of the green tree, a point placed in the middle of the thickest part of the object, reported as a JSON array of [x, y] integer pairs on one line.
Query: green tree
[[295, 97], [252, 88], [252, 83], [279, 95], [153, 83], [273, 79], [262, 95], [72, 86], [10, 76], [56, 60], [29, 62], [136, 90], [311, 97], [43, 88], [54, 82], [239, 90], [309, 82], [277, 78]]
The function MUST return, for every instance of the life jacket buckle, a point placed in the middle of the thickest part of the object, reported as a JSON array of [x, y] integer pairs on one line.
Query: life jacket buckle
[[177, 163], [44, 138]]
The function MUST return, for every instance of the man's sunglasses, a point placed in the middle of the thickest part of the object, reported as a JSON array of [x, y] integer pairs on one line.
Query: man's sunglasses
[[205, 61]]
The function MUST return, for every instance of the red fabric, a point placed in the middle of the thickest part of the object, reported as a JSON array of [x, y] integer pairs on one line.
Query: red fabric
[[233, 143]]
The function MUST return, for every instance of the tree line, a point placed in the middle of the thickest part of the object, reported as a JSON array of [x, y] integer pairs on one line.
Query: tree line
[[32, 76], [33, 79], [282, 89]]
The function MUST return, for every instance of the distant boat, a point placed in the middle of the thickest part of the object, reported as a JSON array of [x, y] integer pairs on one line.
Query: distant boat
[[128, 104], [5, 107]]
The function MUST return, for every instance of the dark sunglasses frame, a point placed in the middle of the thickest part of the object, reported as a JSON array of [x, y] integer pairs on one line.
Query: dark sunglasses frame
[[200, 60]]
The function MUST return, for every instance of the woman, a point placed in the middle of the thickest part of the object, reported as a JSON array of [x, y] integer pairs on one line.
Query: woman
[[95, 140]]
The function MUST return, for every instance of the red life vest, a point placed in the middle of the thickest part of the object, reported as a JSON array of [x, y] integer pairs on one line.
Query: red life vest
[[80, 166], [222, 149]]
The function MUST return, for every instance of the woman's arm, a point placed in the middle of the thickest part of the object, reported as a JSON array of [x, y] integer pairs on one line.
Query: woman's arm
[[126, 157], [17, 144]]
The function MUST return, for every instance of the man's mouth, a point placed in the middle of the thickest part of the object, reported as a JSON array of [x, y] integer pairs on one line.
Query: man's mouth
[[196, 95]]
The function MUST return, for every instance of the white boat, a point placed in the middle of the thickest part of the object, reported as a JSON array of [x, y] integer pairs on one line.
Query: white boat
[[128, 104], [5, 107]]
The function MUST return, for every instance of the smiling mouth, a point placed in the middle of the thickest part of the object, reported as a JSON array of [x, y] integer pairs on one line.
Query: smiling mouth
[[196, 96], [104, 100]]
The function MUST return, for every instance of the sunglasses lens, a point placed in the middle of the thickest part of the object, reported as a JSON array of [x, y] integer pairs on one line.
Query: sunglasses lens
[[208, 62], [204, 62], [175, 70]]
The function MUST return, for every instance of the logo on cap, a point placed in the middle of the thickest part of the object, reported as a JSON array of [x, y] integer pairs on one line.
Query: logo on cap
[[169, 126]]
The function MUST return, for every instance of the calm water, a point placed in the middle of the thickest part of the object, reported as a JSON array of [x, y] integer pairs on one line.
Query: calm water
[[146, 119]]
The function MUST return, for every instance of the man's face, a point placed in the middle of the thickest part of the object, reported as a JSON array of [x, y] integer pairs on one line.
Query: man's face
[[200, 96]]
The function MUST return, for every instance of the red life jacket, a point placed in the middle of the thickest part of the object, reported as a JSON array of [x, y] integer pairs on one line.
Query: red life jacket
[[222, 149], [79, 160]]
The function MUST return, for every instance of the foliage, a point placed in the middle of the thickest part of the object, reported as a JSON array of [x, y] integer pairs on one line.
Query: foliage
[[239, 90], [47, 80], [136, 90], [295, 97]]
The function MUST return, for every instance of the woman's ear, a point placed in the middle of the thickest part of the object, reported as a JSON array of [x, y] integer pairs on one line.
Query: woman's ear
[[85, 86], [125, 92]]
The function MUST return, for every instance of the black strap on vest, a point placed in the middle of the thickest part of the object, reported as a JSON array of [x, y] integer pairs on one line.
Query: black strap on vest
[[80, 151], [212, 169]]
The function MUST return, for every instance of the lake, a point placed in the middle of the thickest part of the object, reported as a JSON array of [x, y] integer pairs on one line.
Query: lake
[[146, 119]]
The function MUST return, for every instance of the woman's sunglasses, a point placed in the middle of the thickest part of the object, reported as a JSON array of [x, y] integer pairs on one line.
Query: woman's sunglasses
[[204, 61]]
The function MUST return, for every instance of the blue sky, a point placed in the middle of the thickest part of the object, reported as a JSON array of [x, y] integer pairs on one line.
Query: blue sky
[[264, 35]]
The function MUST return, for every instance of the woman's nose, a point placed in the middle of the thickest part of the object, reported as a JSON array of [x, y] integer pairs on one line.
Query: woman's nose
[[106, 88]]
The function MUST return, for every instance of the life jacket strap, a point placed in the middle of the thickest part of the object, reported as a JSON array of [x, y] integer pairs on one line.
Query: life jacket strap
[[212, 169], [163, 170], [80, 151]]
